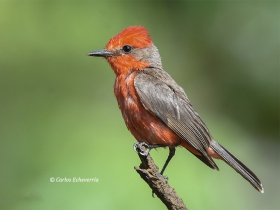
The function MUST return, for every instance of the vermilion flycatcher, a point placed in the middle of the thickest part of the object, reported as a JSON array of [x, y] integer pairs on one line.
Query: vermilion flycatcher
[[155, 108]]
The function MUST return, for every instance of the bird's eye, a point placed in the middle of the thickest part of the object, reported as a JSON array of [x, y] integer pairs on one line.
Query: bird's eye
[[127, 48]]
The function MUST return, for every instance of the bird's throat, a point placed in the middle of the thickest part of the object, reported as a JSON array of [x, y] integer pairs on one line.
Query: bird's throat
[[123, 64]]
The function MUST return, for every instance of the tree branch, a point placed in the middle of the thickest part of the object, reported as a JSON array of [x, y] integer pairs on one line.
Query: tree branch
[[150, 174]]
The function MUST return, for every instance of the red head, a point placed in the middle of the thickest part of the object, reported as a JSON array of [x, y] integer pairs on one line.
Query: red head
[[135, 36], [130, 49]]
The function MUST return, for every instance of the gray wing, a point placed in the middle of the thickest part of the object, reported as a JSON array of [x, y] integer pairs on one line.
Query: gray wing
[[165, 99]]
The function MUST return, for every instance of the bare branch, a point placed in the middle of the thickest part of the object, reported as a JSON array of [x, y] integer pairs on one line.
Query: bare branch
[[150, 174]]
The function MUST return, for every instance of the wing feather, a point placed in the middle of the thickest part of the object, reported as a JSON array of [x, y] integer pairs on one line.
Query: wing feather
[[161, 95]]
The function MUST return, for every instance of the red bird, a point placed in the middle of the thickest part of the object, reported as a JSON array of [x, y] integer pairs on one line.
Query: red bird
[[155, 108]]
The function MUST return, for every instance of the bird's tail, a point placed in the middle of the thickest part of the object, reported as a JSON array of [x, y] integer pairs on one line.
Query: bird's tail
[[237, 165]]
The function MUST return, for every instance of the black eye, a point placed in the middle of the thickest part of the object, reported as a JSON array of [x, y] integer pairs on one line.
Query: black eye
[[127, 48]]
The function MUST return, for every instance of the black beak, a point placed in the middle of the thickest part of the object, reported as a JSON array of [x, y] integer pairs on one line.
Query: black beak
[[100, 53]]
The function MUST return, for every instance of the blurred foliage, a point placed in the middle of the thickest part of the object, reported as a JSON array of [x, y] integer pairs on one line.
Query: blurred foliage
[[59, 117]]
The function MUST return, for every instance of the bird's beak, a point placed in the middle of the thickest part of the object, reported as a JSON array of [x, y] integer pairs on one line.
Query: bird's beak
[[100, 53]]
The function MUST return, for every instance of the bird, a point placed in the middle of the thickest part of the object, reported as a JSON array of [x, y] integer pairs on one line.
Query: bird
[[155, 109]]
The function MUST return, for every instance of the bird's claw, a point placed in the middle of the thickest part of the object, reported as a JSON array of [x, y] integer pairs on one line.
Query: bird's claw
[[166, 178], [137, 146]]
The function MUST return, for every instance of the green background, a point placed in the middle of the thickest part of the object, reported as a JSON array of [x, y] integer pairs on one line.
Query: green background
[[59, 116]]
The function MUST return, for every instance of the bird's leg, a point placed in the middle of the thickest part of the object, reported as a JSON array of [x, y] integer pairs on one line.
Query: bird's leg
[[170, 156], [137, 146]]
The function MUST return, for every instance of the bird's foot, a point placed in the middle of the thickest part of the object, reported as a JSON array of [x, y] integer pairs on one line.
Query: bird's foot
[[166, 178], [138, 147], [143, 148]]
